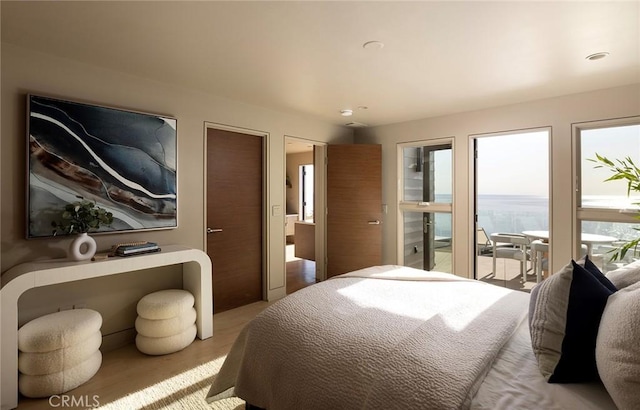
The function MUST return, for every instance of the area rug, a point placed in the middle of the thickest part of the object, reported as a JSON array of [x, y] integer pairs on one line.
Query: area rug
[[186, 390]]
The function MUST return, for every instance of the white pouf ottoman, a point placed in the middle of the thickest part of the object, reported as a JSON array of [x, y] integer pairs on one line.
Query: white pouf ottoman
[[166, 322], [58, 352]]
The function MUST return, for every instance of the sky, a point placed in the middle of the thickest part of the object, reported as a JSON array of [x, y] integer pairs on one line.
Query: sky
[[518, 164], [613, 143], [514, 164]]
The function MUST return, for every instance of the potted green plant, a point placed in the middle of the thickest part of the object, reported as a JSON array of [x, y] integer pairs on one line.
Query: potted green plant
[[81, 217], [625, 170]]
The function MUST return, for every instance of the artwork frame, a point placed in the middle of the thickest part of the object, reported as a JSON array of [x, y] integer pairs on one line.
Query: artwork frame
[[125, 161]]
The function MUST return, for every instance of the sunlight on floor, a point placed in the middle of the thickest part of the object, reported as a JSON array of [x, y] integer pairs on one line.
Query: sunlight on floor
[[290, 253], [180, 385]]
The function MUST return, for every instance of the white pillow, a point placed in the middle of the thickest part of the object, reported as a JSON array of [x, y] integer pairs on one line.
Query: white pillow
[[626, 275], [618, 347]]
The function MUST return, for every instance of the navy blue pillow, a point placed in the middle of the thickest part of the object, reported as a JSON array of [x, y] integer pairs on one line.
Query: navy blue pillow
[[587, 300], [595, 271]]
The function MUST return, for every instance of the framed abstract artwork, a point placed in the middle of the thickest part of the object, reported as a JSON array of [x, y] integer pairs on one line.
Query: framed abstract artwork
[[123, 161]]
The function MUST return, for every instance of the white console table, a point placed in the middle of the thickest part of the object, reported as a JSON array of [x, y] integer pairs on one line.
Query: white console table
[[196, 278]]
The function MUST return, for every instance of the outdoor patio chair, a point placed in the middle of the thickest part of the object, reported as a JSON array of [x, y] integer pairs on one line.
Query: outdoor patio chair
[[538, 251], [516, 249], [483, 243], [540, 257]]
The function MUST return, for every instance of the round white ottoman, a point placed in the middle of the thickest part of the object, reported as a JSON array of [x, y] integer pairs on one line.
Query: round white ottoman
[[39, 363], [166, 345], [166, 327], [56, 383], [58, 352], [166, 322], [165, 304]]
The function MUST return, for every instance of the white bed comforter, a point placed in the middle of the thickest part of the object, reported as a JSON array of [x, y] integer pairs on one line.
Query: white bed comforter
[[386, 337]]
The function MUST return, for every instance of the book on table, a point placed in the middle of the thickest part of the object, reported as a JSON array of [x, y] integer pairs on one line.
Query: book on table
[[135, 248]]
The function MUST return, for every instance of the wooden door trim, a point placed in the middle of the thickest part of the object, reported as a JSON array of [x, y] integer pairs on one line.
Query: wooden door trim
[[265, 189]]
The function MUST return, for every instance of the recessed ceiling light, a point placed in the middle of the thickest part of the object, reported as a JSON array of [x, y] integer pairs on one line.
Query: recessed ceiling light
[[355, 124], [363, 107], [597, 56], [346, 113], [373, 45]]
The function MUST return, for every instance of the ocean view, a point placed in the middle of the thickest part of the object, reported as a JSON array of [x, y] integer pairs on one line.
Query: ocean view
[[517, 213], [501, 213], [513, 213]]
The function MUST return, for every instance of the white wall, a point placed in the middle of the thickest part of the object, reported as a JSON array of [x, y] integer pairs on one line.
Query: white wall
[[558, 113], [25, 71]]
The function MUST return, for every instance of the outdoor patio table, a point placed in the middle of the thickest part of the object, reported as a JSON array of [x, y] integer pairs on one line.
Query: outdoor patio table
[[589, 239]]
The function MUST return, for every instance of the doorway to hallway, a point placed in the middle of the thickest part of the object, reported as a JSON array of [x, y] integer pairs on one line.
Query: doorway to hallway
[[300, 217]]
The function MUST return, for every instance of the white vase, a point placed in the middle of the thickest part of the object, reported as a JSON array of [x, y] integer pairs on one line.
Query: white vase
[[82, 247]]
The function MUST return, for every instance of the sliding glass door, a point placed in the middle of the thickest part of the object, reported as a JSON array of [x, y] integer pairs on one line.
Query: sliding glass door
[[511, 207]]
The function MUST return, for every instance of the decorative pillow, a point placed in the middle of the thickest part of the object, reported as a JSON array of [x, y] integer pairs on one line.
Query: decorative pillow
[[564, 315], [618, 347], [626, 275], [595, 271]]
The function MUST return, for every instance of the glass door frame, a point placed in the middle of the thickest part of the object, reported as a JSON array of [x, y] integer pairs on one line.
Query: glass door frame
[[473, 169], [421, 206]]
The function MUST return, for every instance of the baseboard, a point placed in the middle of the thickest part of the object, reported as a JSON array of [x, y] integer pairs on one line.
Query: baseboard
[[117, 340]]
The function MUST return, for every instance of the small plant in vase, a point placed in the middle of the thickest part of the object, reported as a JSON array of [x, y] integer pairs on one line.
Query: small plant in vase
[[81, 217]]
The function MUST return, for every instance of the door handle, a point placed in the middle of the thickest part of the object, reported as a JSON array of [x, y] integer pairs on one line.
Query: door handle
[[215, 230], [376, 222]]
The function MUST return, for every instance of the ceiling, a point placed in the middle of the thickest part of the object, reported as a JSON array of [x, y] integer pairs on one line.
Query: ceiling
[[308, 57], [296, 146]]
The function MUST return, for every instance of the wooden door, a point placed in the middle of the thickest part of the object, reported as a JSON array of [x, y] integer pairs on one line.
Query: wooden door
[[354, 207], [235, 217]]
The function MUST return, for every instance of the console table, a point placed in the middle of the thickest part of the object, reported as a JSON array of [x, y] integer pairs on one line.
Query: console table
[[196, 278]]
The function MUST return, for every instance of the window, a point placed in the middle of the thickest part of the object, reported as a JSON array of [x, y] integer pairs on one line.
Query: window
[[306, 193], [603, 208], [425, 233]]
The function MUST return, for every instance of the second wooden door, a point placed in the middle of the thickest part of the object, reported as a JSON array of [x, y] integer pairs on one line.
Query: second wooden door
[[235, 217], [354, 207]]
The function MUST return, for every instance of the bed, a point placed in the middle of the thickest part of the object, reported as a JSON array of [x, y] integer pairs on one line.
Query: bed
[[393, 337]]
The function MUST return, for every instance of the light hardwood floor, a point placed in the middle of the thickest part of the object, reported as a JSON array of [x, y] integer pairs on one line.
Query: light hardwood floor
[[300, 272], [126, 370]]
